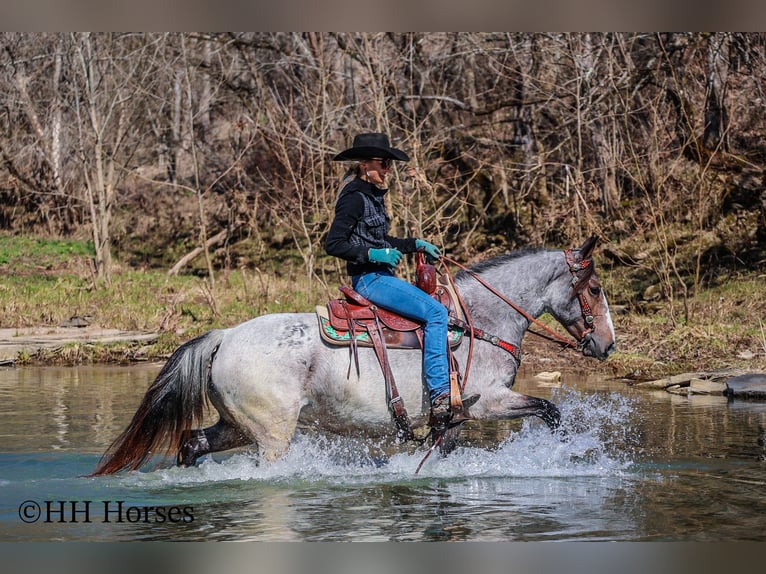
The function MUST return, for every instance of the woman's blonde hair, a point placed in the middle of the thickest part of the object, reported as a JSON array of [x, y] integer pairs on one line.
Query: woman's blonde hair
[[350, 174]]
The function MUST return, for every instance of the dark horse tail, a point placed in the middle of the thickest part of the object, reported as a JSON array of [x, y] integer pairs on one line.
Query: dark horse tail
[[173, 403]]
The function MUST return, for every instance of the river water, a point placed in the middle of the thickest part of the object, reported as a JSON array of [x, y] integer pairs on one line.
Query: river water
[[636, 465]]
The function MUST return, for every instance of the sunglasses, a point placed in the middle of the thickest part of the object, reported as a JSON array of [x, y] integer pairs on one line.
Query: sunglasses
[[385, 162]]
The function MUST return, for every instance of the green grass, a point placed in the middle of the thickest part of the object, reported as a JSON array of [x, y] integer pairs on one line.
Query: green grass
[[726, 322], [149, 300], [37, 252], [178, 308], [45, 282]]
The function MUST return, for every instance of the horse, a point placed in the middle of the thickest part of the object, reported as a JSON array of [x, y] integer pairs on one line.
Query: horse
[[271, 373]]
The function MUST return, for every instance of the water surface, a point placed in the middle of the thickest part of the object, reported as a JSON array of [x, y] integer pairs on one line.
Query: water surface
[[635, 465]]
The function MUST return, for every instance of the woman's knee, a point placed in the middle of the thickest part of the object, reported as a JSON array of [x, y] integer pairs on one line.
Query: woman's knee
[[437, 314]]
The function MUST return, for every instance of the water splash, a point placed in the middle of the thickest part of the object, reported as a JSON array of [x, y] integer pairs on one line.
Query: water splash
[[595, 439]]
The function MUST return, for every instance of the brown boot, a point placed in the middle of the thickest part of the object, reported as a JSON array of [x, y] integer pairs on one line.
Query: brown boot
[[441, 412]]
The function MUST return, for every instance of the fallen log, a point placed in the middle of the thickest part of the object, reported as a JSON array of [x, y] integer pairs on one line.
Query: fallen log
[[217, 238]]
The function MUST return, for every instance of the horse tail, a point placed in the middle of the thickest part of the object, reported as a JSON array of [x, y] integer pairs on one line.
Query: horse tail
[[172, 404]]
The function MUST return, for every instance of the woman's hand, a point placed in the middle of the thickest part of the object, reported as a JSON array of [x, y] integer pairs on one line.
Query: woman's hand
[[428, 248], [387, 256]]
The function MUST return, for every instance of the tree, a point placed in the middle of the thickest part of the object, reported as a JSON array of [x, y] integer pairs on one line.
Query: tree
[[107, 71], [516, 138], [34, 147]]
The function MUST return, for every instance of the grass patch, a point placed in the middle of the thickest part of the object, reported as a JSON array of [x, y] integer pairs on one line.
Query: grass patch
[[36, 253], [152, 301], [725, 330]]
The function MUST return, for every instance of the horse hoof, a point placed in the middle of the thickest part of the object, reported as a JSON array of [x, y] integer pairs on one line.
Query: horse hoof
[[550, 414], [186, 456], [192, 449]]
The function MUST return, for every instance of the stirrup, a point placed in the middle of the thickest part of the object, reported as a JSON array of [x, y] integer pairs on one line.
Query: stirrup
[[441, 410], [467, 400]]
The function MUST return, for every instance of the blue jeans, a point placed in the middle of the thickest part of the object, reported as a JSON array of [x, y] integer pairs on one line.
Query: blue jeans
[[397, 295]]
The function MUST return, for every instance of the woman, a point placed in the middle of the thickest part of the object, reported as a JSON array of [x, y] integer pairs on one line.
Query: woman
[[359, 235]]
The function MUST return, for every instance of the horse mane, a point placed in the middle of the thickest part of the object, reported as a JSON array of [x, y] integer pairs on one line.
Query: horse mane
[[582, 278], [501, 260]]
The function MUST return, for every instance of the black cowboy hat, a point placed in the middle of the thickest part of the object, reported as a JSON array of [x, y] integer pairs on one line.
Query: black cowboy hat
[[367, 146]]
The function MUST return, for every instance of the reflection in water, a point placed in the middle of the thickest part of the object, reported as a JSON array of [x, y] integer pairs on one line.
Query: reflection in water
[[634, 465], [65, 408]]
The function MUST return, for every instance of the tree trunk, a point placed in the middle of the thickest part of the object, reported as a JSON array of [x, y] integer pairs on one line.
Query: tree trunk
[[716, 134]]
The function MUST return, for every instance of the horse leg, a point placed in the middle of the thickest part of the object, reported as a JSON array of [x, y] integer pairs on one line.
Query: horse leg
[[513, 405], [221, 436], [272, 440], [274, 429], [549, 413], [542, 409], [267, 420], [449, 440]]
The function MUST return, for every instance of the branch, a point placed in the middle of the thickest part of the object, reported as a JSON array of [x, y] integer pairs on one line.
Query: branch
[[217, 238]]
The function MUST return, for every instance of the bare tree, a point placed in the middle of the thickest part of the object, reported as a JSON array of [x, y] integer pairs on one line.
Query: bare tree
[[716, 132], [107, 69], [34, 99], [515, 138]]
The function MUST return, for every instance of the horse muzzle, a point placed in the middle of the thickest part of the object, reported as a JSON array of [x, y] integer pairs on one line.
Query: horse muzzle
[[591, 347]]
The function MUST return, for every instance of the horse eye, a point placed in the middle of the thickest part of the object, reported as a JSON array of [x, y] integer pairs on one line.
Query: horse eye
[[594, 290]]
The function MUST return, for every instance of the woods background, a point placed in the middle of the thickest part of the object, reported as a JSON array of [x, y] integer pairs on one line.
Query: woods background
[[203, 152]]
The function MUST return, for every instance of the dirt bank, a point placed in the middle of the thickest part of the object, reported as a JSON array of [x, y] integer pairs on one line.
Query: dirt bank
[[30, 341]]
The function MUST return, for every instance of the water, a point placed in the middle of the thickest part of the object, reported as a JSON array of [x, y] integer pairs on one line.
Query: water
[[635, 465]]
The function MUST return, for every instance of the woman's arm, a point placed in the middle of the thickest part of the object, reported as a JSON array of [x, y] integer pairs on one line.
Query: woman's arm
[[348, 210], [406, 245]]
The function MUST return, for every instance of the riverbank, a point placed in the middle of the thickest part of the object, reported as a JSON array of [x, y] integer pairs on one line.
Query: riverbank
[[648, 347], [55, 344], [69, 345], [145, 314]]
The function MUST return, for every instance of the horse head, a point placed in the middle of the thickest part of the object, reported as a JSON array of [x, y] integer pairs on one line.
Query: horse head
[[585, 311]]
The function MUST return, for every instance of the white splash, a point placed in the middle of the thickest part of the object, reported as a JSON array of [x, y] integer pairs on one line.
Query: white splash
[[595, 439]]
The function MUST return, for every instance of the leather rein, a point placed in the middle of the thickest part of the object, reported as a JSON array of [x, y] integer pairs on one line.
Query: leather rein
[[574, 268]]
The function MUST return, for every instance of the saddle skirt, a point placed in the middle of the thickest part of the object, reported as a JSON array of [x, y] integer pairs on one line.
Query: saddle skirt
[[345, 322]]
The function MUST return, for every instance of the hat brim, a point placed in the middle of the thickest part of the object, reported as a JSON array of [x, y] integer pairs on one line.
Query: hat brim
[[368, 152]]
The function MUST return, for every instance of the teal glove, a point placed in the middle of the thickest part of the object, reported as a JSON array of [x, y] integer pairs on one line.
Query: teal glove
[[429, 248], [387, 256]]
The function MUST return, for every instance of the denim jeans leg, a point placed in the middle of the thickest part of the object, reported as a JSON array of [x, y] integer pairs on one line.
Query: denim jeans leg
[[406, 299]]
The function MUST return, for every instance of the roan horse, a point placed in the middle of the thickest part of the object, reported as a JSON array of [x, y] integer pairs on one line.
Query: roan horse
[[265, 375]]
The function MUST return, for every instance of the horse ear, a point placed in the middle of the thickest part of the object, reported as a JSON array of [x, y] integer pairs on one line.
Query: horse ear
[[586, 249]]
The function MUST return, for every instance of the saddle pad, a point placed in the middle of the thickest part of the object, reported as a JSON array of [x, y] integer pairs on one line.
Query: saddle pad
[[394, 339]]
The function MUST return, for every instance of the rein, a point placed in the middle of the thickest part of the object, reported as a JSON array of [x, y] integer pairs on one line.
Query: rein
[[552, 335]]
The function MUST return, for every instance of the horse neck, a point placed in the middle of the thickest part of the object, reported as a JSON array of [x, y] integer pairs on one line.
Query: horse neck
[[525, 280]]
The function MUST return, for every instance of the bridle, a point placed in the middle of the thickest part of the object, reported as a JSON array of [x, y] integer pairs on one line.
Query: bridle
[[574, 268], [587, 314]]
